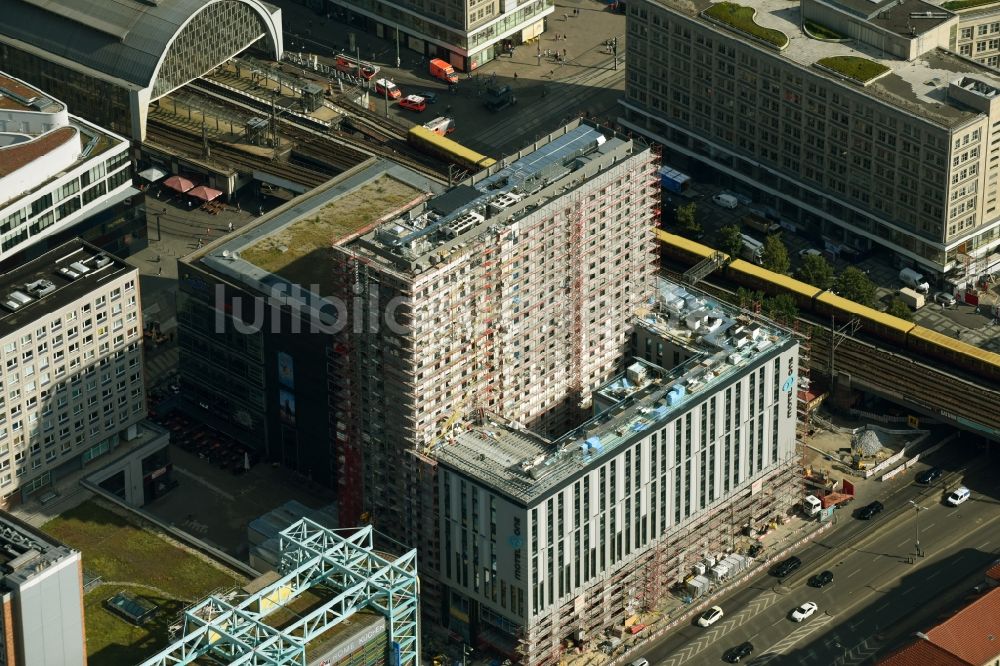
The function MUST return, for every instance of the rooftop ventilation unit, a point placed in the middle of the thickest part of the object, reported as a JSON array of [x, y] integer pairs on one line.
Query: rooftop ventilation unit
[[100, 260], [40, 288], [16, 300], [461, 224], [26, 101], [68, 273]]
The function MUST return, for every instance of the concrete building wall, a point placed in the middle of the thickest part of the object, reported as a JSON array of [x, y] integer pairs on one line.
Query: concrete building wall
[[33, 122], [890, 183], [467, 33], [74, 382], [563, 549], [978, 36], [66, 197], [43, 636]]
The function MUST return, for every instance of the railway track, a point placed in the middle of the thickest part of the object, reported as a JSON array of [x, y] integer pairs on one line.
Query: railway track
[[176, 138], [313, 139], [892, 373]]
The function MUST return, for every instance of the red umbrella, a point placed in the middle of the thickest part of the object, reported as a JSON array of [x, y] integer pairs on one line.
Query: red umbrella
[[178, 184], [204, 193]]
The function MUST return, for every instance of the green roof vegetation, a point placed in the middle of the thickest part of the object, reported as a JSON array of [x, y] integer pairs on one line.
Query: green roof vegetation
[[821, 31], [137, 561], [955, 5], [862, 70], [302, 251], [741, 18]]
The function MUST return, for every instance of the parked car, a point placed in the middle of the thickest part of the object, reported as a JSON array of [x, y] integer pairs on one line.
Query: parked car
[[869, 511], [734, 654], [429, 96], [821, 579], [786, 567], [804, 611], [958, 496], [710, 617], [413, 103], [944, 298], [386, 88], [639, 662], [810, 252], [930, 475]]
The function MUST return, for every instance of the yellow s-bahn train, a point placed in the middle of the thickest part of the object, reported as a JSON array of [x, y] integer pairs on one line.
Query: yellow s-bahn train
[[900, 332], [434, 144]]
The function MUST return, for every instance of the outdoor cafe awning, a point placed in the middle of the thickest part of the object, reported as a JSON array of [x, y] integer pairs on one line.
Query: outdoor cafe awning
[[204, 193], [178, 184]]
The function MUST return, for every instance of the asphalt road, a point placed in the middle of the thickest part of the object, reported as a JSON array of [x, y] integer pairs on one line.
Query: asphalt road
[[880, 590]]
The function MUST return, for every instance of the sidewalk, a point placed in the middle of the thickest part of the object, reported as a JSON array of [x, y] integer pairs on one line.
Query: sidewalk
[[674, 612]]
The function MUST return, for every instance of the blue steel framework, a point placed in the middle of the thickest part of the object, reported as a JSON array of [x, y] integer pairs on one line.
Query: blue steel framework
[[310, 555]]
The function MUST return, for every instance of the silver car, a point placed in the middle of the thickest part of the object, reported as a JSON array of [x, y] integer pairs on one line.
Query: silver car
[[944, 298]]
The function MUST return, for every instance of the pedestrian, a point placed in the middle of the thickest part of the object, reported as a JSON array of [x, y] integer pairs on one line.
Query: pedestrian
[[208, 231], [515, 76], [157, 258], [189, 204], [230, 226], [159, 271], [199, 243], [238, 210], [564, 54]]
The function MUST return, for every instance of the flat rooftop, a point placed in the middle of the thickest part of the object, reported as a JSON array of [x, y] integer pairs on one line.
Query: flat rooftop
[[54, 280], [25, 550], [505, 193], [526, 467], [292, 246], [919, 86], [16, 95]]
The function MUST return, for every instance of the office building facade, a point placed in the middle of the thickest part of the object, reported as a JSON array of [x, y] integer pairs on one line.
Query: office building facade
[[71, 340], [546, 541], [885, 140]]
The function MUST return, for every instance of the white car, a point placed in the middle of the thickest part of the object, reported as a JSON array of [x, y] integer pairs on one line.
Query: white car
[[710, 617], [958, 496], [804, 611], [810, 252]]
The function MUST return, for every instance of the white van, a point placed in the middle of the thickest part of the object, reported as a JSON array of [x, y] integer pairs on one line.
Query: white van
[[914, 280], [726, 200]]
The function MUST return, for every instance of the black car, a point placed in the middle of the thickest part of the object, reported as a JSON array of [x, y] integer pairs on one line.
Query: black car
[[785, 568], [930, 475], [429, 97], [869, 511], [733, 655], [821, 579]]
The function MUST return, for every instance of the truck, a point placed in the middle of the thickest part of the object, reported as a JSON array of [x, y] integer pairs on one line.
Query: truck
[[388, 89], [914, 280], [673, 180], [812, 505], [441, 70], [912, 298], [752, 250], [499, 97], [758, 223]]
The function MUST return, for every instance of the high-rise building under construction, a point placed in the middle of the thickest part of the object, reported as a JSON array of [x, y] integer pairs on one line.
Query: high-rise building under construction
[[511, 292]]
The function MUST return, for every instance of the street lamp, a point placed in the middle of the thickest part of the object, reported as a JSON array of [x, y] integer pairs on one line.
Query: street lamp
[[916, 525]]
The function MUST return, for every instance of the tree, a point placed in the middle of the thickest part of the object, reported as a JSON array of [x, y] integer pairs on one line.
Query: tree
[[686, 222], [817, 271], [782, 308], [897, 308], [730, 240], [855, 285], [775, 256]]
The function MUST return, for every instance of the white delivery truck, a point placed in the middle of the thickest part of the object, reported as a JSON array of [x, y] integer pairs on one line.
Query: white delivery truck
[[912, 298], [752, 250], [914, 280]]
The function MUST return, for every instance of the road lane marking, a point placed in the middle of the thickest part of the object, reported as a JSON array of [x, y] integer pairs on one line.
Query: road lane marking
[[882, 607], [936, 572], [929, 526], [903, 542], [983, 545], [854, 572]]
